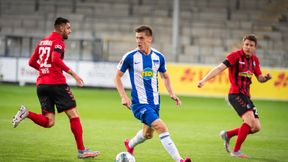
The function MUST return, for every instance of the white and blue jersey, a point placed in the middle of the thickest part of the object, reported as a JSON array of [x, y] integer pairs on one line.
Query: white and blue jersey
[[143, 71]]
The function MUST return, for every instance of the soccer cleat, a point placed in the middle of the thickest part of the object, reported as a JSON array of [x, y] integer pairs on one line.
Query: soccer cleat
[[82, 154], [130, 150], [186, 160], [21, 115], [238, 154], [223, 135]]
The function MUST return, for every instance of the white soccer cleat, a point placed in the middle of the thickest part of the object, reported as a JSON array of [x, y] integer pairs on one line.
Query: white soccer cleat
[[87, 153], [21, 114], [238, 154], [223, 135]]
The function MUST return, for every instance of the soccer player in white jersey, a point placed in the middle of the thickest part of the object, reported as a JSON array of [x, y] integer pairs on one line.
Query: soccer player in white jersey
[[143, 65]]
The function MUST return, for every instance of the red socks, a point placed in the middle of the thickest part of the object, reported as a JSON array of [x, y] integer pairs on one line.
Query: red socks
[[232, 133], [76, 128], [39, 119], [75, 125], [242, 134]]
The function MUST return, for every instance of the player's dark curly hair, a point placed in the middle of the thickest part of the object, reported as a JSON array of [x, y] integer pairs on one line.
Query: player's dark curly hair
[[144, 28], [60, 21], [250, 37]]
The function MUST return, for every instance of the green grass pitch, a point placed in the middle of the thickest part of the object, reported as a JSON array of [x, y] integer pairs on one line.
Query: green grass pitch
[[194, 127]]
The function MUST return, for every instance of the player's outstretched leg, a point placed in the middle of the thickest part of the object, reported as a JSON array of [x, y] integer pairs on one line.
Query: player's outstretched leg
[[242, 134], [21, 115], [87, 153], [130, 144], [170, 147], [128, 148], [226, 139], [76, 128]]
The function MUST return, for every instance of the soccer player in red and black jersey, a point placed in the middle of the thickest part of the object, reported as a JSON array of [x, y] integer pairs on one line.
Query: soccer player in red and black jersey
[[52, 88], [242, 64]]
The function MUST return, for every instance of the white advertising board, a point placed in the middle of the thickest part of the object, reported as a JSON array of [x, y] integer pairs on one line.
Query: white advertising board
[[94, 74], [8, 69], [100, 74]]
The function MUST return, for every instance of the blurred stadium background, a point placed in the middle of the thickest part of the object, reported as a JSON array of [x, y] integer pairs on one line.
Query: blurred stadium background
[[103, 29], [194, 35]]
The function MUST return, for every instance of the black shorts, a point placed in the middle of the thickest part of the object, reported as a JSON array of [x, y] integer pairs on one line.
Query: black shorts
[[60, 95], [241, 103]]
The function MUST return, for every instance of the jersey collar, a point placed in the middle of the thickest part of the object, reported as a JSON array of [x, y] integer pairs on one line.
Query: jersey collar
[[56, 35], [243, 54], [144, 53]]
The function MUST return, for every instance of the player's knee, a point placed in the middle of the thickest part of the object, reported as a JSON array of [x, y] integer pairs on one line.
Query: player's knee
[[160, 127], [50, 124], [256, 129], [72, 113], [148, 136]]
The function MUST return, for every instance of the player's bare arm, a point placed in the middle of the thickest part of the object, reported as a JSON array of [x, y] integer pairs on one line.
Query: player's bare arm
[[125, 100], [79, 80], [168, 86], [218, 69], [264, 78]]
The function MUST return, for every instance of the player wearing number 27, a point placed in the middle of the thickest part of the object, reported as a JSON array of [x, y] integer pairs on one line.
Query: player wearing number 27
[[52, 88]]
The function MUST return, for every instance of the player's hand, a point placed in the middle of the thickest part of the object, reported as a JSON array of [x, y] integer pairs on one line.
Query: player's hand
[[200, 84], [126, 102], [175, 98], [268, 76], [79, 81]]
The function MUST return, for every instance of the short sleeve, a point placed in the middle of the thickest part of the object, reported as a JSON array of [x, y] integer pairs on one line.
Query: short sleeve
[[232, 59], [123, 65], [162, 67], [59, 47]]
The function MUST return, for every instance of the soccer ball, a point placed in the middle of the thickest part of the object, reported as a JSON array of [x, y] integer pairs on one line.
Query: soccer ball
[[125, 157]]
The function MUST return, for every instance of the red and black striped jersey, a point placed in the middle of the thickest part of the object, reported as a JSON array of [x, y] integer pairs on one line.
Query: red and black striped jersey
[[241, 70], [47, 59]]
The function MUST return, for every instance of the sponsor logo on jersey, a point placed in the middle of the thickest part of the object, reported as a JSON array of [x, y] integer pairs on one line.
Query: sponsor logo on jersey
[[147, 73], [247, 74], [241, 62]]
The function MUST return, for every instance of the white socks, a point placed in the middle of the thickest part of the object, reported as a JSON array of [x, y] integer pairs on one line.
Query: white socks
[[169, 146], [139, 138], [165, 140]]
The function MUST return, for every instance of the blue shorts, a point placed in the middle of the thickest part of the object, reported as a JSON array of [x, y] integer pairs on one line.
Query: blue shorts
[[146, 113]]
